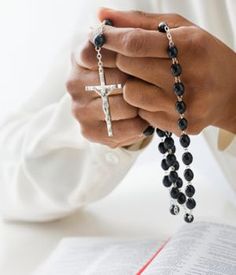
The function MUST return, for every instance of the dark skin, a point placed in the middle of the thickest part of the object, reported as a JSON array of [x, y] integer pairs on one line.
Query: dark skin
[[135, 55]]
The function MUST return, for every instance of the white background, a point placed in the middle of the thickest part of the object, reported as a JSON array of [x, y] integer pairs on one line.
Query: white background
[[32, 34]]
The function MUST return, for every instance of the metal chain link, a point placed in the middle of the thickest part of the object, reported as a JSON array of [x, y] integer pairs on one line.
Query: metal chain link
[[99, 57]]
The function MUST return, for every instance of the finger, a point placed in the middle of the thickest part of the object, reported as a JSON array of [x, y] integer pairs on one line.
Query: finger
[[81, 77], [147, 97], [86, 57], [143, 43], [123, 130], [168, 122], [153, 70], [161, 120], [140, 19], [119, 110]]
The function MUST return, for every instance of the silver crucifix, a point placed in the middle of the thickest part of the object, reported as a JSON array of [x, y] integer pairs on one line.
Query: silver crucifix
[[104, 90]]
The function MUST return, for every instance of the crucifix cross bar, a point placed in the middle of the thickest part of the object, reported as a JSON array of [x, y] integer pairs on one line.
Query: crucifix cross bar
[[104, 90]]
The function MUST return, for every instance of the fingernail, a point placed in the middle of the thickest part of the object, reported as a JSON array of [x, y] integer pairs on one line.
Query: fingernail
[[149, 131]]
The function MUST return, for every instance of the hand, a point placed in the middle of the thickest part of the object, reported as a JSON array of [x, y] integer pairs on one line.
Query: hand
[[208, 70], [87, 106]]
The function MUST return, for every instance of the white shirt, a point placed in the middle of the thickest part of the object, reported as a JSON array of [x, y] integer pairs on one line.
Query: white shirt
[[48, 170]]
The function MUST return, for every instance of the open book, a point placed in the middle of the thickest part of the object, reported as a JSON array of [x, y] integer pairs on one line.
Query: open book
[[196, 249]]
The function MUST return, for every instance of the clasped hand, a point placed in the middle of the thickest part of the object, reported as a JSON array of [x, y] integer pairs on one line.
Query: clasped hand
[[135, 55]]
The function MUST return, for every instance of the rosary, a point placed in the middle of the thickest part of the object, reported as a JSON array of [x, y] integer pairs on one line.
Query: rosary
[[171, 180]]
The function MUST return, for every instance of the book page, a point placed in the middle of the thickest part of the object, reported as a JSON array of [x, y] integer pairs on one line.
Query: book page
[[198, 249], [90, 256]]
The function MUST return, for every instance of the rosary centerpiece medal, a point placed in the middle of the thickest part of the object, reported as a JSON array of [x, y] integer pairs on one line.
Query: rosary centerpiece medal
[[103, 89]]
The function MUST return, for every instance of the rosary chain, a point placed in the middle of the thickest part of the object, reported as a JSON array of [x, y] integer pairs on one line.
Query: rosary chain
[[187, 204]]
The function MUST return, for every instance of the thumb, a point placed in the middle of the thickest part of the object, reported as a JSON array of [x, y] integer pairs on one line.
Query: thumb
[[140, 19]]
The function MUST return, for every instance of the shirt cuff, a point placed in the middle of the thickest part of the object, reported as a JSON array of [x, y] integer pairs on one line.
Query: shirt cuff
[[139, 145], [225, 138]]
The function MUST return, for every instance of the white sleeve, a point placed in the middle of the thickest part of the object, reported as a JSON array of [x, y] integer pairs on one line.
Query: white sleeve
[[47, 169], [231, 149]]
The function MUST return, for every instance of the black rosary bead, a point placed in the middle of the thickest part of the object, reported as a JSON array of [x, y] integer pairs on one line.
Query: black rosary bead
[[161, 147], [173, 176], [183, 124], [180, 107], [190, 190], [178, 88], [176, 166], [181, 198], [167, 146], [172, 52], [176, 69], [174, 209], [184, 140], [108, 22], [161, 27], [169, 143], [174, 193], [188, 218], [160, 133], [191, 203], [188, 174], [99, 40], [179, 182], [149, 131], [164, 165], [187, 158], [166, 182], [170, 159]]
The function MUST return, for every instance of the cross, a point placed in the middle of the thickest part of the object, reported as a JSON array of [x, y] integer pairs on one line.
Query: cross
[[104, 90]]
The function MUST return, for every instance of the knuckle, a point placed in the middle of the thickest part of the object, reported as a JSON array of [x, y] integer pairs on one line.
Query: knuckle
[[131, 112], [128, 91], [121, 62], [197, 44], [74, 86], [86, 57], [143, 114], [71, 86], [77, 112], [133, 42]]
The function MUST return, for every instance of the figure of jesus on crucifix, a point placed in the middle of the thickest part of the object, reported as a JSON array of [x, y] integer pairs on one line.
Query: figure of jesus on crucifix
[[104, 90]]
